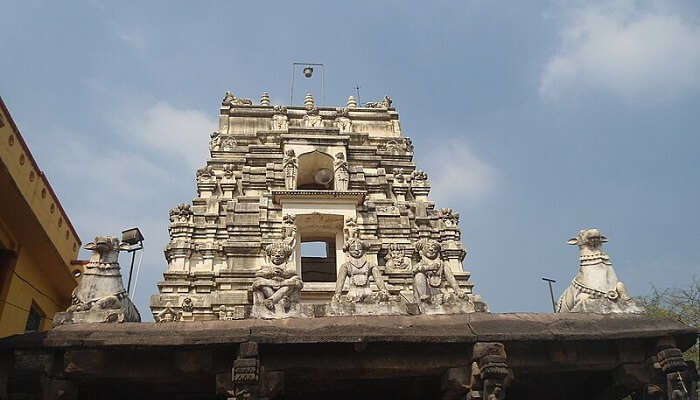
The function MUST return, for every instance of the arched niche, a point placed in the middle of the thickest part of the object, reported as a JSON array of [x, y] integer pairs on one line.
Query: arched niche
[[315, 171]]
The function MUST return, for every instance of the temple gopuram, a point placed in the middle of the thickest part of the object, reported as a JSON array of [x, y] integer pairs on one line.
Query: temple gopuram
[[385, 310]]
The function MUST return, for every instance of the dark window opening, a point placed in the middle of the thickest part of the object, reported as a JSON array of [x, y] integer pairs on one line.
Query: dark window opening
[[34, 319], [318, 262]]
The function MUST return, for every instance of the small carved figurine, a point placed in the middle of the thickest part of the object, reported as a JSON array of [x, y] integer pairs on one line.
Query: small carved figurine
[[358, 270], [342, 175], [290, 165], [395, 258], [430, 274]]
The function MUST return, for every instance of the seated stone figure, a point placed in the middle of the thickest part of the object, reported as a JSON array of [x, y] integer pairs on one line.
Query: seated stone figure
[[596, 287], [358, 270], [430, 274], [274, 283]]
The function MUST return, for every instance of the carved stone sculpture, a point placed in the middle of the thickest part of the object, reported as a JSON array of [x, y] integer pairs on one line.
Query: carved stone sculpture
[[430, 275], [358, 270], [448, 216], [231, 100], [396, 259], [181, 213], [313, 118], [168, 314], [215, 141], [100, 296], [276, 288], [342, 174], [385, 103], [290, 165], [596, 287]]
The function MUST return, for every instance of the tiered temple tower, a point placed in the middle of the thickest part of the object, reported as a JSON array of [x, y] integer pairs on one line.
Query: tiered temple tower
[[295, 174]]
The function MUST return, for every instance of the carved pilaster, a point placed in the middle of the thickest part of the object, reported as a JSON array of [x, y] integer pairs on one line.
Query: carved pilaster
[[246, 372], [489, 372], [681, 382]]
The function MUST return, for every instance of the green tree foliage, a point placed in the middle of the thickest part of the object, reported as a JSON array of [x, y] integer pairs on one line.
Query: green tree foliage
[[680, 304]]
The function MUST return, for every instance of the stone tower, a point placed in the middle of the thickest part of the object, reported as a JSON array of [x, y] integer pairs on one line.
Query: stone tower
[[280, 176]]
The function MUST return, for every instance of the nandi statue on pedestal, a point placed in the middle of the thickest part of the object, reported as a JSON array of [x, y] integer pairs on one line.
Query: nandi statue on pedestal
[[100, 296], [596, 287]]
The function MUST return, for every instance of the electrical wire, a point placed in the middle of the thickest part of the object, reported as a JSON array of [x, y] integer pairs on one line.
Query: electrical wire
[[138, 269], [37, 289]]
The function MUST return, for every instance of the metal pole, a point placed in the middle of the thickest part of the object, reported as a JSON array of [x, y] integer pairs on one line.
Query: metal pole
[[131, 270], [291, 92], [323, 85], [551, 292]]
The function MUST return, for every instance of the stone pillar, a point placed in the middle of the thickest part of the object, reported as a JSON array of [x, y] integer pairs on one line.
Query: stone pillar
[[489, 372], [681, 381], [246, 372]]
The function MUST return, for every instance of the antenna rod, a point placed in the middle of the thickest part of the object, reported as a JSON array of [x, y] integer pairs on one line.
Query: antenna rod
[[551, 292]]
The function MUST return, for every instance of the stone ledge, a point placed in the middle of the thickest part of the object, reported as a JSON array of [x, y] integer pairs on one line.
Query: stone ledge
[[466, 328]]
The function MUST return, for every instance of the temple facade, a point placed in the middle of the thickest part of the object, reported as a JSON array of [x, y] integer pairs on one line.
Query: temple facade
[[282, 176]]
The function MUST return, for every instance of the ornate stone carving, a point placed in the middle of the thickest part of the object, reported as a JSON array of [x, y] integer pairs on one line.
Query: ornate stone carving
[[215, 141], [100, 296], [231, 100], [385, 103], [350, 230], [448, 217], [342, 174], [490, 372], [181, 213], [396, 259], [357, 271], [344, 124], [418, 176], [408, 145], [205, 173], [168, 314], [227, 143], [313, 118], [276, 288], [290, 166], [596, 287], [279, 118], [187, 304], [430, 275]]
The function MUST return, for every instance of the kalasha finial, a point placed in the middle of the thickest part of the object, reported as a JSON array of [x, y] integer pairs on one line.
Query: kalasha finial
[[265, 99], [309, 101], [352, 103]]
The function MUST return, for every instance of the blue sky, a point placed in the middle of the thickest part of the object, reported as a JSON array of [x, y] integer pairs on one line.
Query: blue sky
[[532, 119]]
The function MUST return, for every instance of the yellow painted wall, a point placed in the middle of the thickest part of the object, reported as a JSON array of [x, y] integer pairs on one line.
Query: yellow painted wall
[[21, 294], [36, 228]]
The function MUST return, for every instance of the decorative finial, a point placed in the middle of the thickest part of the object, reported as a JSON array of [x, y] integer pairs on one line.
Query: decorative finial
[[351, 102], [308, 101], [265, 99]]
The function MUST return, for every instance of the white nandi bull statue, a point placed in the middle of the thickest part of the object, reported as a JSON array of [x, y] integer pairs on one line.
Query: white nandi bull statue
[[100, 296], [596, 287]]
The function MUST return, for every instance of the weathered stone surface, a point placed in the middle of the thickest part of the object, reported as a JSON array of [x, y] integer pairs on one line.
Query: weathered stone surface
[[596, 287], [326, 165], [467, 328], [100, 296]]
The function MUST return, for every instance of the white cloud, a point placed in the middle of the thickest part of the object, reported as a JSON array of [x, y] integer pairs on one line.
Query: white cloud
[[457, 174], [177, 132], [632, 49]]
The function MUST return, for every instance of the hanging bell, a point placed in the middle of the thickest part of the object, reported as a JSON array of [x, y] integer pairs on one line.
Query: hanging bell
[[308, 71]]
